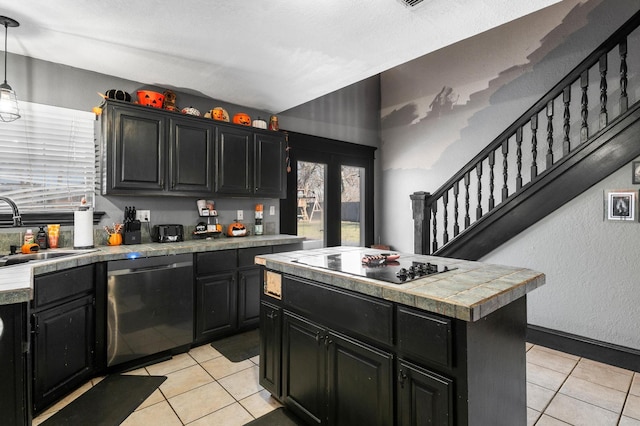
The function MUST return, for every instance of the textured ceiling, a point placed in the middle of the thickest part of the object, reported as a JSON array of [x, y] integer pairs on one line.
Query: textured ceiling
[[270, 55]]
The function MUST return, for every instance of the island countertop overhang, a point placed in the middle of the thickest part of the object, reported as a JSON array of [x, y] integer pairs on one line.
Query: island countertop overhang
[[469, 292]]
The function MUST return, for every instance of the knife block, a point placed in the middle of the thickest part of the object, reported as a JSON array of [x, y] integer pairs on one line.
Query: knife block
[[132, 237]]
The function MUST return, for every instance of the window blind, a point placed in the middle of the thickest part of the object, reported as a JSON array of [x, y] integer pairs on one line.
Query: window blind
[[47, 158]]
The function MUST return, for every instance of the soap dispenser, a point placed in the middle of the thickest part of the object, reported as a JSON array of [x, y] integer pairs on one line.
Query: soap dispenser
[[41, 238]]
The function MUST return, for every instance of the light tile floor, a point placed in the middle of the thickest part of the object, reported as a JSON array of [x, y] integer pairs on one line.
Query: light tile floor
[[205, 388]]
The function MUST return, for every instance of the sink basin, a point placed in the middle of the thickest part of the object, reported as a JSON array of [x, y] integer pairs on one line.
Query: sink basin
[[16, 259]]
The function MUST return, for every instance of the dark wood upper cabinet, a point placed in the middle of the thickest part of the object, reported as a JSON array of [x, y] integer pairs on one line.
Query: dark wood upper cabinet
[[149, 151], [191, 156]]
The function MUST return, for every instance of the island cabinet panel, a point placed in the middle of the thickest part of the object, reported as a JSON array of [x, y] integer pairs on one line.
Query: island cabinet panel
[[304, 370], [360, 383], [331, 379], [350, 359], [342, 310], [424, 397], [424, 337], [271, 348]]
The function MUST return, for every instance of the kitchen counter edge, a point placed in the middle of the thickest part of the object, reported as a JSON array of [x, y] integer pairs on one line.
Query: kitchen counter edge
[[16, 282], [470, 292]]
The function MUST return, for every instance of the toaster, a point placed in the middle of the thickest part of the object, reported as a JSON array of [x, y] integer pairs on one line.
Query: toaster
[[168, 233]]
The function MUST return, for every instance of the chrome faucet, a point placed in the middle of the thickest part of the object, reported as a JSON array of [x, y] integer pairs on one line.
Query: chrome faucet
[[17, 220]]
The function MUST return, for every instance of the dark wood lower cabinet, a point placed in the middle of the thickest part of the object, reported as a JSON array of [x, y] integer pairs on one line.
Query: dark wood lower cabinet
[[63, 327], [14, 408], [338, 368], [270, 347], [248, 297], [424, 397], [216, 311], [332, 379]]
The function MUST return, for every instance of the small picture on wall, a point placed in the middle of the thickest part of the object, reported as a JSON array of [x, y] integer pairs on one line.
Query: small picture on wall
[[635, 172], [621, 205]]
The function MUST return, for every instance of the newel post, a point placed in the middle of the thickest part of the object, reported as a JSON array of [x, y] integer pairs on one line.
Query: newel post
[[421, 219]]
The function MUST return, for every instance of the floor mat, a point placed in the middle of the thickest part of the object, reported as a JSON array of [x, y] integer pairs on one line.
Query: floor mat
[[107, 403], [277, 417], [239, 347]]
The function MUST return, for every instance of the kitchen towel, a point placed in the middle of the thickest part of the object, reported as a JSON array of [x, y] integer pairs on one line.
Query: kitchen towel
[[83, 229]]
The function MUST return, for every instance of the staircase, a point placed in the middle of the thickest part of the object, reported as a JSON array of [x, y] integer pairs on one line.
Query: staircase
[[539, 168]]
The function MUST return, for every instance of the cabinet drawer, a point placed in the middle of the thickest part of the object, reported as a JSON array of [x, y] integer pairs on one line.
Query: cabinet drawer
[[63, 285], [424, 337], [216, 261], [340, 309], [246, 256]]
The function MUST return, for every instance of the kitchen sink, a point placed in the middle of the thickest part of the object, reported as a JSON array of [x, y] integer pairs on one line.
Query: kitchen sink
[[16, 259]]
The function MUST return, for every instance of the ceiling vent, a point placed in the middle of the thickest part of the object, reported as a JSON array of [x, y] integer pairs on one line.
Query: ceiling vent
[[411, 3]]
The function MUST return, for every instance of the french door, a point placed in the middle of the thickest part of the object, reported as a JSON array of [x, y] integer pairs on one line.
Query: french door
[[329, 192]]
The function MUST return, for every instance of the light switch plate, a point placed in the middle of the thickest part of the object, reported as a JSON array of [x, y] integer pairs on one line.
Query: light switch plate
[[272, 210], [240, 215]]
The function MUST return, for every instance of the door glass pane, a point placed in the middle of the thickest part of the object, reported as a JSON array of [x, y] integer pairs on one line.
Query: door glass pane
[[351, 207], [311, 196]]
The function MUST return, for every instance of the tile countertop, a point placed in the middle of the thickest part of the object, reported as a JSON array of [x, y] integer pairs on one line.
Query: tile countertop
[[16, 281], [472, 291]]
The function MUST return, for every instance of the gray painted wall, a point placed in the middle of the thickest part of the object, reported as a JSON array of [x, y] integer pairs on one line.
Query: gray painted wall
[[590, 264], [60, 85]]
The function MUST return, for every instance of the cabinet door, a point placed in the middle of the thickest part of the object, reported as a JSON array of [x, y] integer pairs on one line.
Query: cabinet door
[[270, 174], [248, 297], [137, 150], [234, 161], [216, 311], [424, 397], [63, 350], [14, 409], [270, 348], [191, 156], [304, 368], [360, 381]]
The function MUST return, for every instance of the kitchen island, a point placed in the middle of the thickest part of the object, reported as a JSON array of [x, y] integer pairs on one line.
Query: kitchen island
[[341, 344]]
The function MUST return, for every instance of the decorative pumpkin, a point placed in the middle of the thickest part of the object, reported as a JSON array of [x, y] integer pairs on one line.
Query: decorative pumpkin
[[242, 118], [236, 229], [119, 95], [149, 98], [191, 111], [259, 123], [218, 113]]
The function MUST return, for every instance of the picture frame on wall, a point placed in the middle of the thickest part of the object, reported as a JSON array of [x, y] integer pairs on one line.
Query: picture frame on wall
[[635, 172], [621, 205]]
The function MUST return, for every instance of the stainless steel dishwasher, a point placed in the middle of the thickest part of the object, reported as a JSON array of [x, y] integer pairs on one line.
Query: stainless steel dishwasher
[[150, 306]]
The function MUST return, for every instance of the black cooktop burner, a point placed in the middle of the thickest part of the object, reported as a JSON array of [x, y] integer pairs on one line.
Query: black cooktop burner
[[393, 271]]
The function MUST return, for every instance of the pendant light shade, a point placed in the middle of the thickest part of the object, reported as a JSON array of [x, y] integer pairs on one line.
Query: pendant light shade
[[8, 101]]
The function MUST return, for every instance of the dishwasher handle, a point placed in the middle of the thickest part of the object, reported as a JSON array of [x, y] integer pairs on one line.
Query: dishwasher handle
[[143, 269]]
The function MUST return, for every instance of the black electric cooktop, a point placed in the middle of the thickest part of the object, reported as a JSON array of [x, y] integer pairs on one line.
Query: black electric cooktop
[[396, 271]]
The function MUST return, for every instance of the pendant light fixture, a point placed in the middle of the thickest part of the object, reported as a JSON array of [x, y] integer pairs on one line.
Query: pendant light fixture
[[8, 102]]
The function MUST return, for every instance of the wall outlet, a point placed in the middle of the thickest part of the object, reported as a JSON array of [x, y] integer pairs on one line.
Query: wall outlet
[[143, 215], [272, 210], [240, 215]]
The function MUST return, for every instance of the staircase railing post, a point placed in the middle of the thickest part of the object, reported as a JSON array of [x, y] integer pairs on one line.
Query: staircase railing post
[[421, 219]]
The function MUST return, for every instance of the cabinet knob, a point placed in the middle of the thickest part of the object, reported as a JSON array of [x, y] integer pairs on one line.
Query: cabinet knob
[[402, 376], [272, 314]]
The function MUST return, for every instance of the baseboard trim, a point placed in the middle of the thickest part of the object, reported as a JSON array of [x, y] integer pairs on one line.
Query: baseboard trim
[[596, 350]]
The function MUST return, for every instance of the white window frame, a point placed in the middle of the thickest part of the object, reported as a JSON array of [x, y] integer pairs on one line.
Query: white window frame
[[47, 159]]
